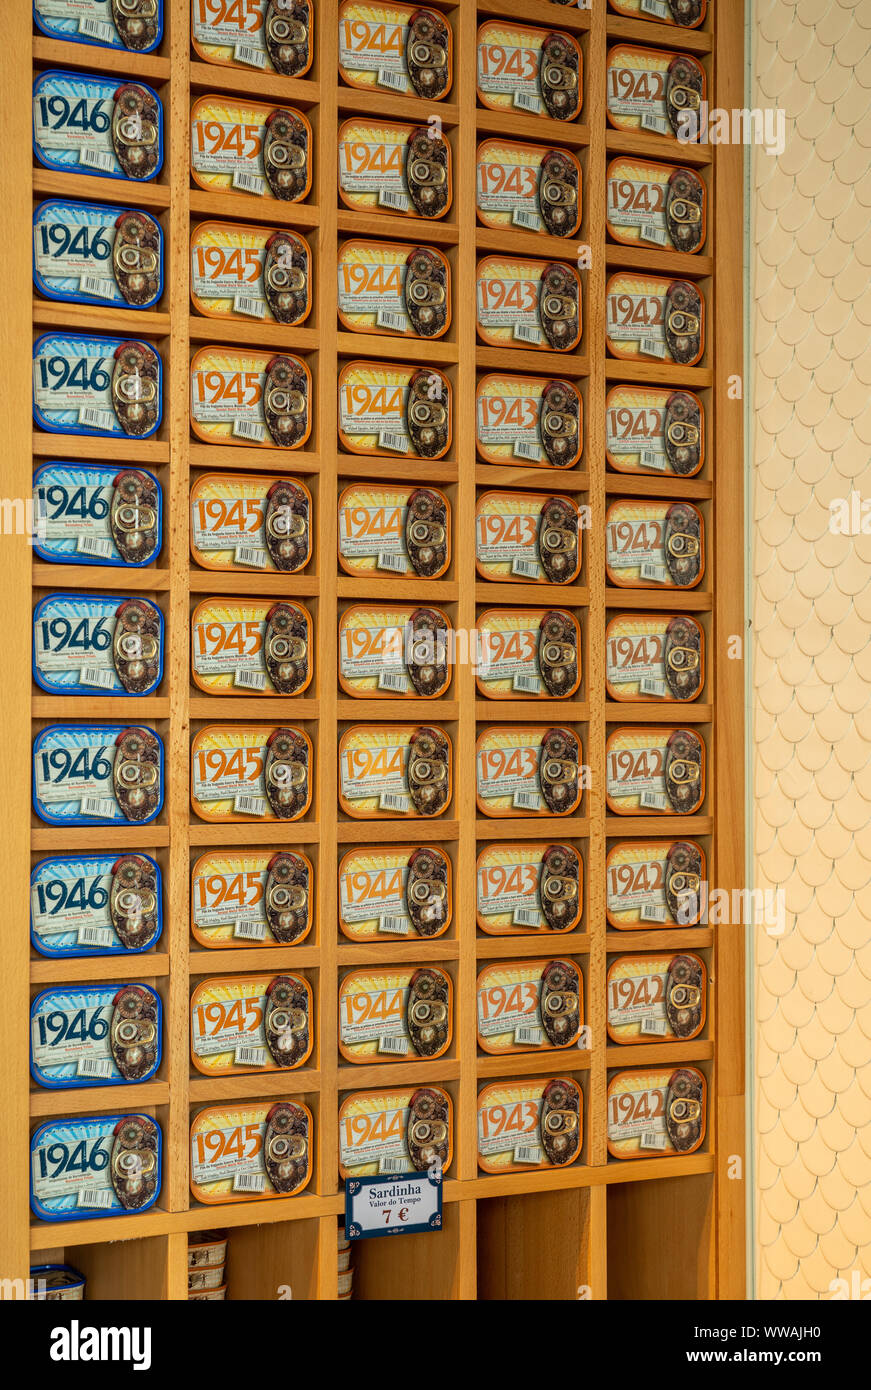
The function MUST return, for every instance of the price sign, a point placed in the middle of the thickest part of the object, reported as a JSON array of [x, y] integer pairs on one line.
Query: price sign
[[400, 1205]]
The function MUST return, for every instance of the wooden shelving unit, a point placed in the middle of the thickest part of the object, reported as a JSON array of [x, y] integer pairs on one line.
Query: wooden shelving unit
[[649, 1229]]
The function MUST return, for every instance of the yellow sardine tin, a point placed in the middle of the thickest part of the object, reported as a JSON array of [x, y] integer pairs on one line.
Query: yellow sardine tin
[[509, 188], [230, 33], [383, 655], [231, 141], [229, 516], [637, 990], [508, 534], [395, 48], [639, 1104], [259, 1150], [375, 1017], [511, 1138], [512, 1003], [511, 892], [250, 273], [238, 1027], [390, 770], [373, 522], [654, 318], [229, 907], [637, 85], [375, 161], [640, 545], [528, 653], [662, 12], [523, 303], [376, 400], [375, 1128], [375, 283], [241, 396], [381, 897], [251, 647], [655, 771], [517, 423], [528, 770], [538, 72], [638, 420], [245, 772], [637, 874], [654, 656], [638, 206]]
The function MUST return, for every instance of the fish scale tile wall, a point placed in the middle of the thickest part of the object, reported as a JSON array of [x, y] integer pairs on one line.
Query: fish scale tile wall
[[811, 613]]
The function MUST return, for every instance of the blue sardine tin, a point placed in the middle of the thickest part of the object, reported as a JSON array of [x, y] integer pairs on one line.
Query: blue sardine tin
[[97, 514], [85, 253], [84, 644], [78, 1037], [78, 907], [85, 384], [55, 1283], [95, 1165], [97, 774], [85, 123], [102, 22]]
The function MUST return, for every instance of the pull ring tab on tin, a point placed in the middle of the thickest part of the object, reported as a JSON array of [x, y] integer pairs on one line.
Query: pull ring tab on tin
[[136, 774], [558, 770], [559, 423], [683, 210], [557, 653], [285, 1020], [558, 193], [133, 516], [683, 322], [427, 1017], [559, 886], [427, 1132], [683, 658], [558, 307], [285, 277], [426, 54], [136, 645], [426, 532], [286, 897], [683, 433], [133, 1161], [286, 526], [425, 292], [559, 1122], [683, 996], [560, 1002], [558, 76], [134, 387], [682, 542], [135, 130], [683, 879], [133, 1032], [426, 171], [285, 1146], [135, 257], [558, 540], [285, 154], [427, 651], [428, 772], [426, 891], [133, 900], [285, 401], [286, 33], [683, 1109], [683, 95], [683, 771], [286, 773], [285, 648]]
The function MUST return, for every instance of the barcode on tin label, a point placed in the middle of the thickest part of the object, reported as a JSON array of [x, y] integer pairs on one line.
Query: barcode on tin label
[[393, 440], [248, 183], [527, 332], [397, 1046], [388, 318], [527, 801], [100, 546], [94, 1197], [397, 1164], [649, 686], [100, 806], [93, 675], [396, 681], [250, 805], [658, 124], [97, 29], [650, 458], [531, 1036], [388, 560], [248, 1056], [652, 347], [530, 569], [393, 801], [247, 304], [249, 429], [250, 680], [392, 198], [528, 449], [649, 1140], [657, 8], [97, 419], [527, 685], [94, 936], [249, 1182], [656, 234], [527, 917], [94, 1066], [250, 555], [528, 101], [657, 574], [528, 1153], [656, 1026], [247, 53], [96, 286], [396, 81], [527, 217], [97, 159], [397, 926], [249, 931], [650, 913], [653, 801]]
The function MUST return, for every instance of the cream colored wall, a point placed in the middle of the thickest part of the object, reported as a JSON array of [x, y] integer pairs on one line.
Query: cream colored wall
[[810, 442]]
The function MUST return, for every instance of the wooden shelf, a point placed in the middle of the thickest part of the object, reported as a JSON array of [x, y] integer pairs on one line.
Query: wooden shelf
[[572, 1210]]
